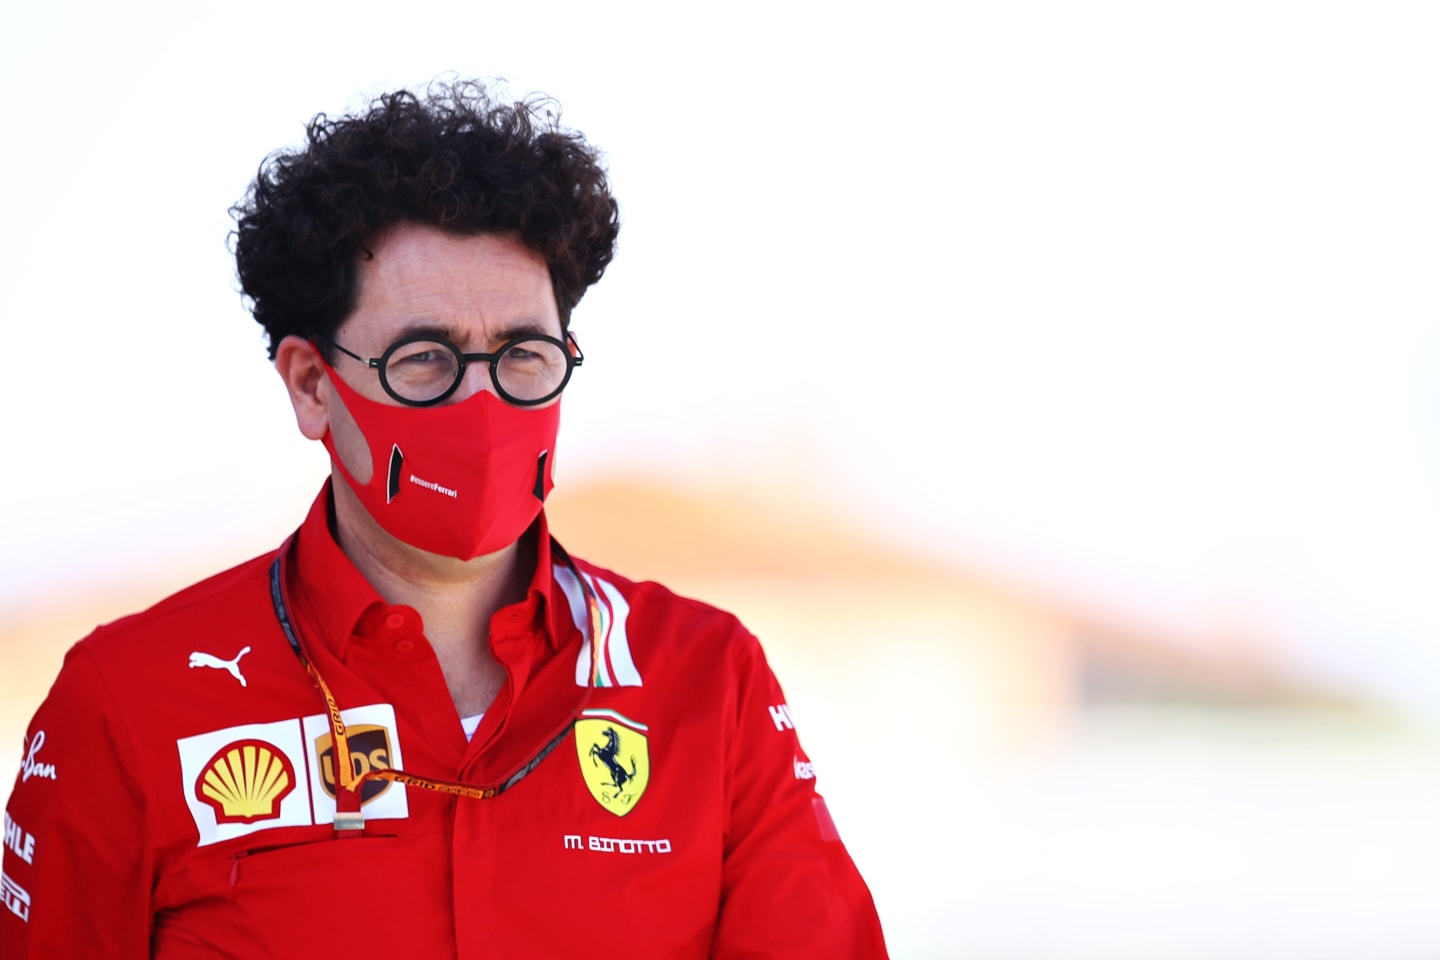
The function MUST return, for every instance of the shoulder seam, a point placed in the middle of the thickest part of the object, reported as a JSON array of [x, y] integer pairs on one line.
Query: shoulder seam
[[174, 605]]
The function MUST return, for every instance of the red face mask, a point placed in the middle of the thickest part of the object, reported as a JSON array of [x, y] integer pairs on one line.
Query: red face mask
[[461, 479]]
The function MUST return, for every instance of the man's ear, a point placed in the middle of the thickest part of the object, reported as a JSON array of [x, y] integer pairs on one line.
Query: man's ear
[[298, 363]]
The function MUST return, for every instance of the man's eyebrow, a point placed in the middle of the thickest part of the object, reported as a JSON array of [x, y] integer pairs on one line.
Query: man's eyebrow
[[521, 329], [460, 336], [430, 328]]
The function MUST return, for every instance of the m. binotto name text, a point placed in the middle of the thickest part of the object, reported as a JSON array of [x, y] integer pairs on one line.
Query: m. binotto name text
[[573, 841]]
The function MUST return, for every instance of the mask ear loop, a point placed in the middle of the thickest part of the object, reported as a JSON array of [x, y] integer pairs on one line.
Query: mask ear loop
[[397, 459]]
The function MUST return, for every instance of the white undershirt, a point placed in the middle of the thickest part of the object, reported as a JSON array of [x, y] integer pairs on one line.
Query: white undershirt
[[471, 724]]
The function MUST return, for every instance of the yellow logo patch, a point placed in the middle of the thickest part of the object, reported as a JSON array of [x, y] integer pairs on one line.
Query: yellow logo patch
[[614, 758], [245, 781]]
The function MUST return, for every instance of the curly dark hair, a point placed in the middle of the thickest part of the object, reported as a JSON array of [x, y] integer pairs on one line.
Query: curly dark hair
[[453, 158]]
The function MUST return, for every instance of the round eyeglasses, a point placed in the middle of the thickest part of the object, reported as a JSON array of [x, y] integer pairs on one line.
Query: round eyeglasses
[[424, 369]]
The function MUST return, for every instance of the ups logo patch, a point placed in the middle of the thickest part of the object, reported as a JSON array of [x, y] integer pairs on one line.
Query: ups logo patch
[[614, 753], [369, 750]]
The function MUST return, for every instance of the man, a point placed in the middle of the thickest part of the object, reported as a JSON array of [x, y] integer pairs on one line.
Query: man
[[420, 727]]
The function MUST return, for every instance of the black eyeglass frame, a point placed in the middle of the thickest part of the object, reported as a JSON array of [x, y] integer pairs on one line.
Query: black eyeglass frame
[[572, 360]]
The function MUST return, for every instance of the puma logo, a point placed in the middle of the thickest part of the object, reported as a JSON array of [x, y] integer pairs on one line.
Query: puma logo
[[198, 659]]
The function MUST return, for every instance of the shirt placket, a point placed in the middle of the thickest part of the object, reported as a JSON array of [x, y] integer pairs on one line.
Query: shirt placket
[[515, 642]]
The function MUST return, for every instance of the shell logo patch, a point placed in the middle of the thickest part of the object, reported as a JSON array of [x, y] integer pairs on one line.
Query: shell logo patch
[[246, 781], [242, 779], [614, 753]]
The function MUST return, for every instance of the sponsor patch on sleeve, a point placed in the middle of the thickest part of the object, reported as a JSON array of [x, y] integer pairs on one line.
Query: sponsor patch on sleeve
[[33, 766], [15, 897], [19, 840]]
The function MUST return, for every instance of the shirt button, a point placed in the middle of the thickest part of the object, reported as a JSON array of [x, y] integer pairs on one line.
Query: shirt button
[[404, 646], [395, 621]]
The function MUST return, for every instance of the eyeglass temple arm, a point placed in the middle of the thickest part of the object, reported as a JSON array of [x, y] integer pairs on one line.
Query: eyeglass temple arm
[[372, 362]]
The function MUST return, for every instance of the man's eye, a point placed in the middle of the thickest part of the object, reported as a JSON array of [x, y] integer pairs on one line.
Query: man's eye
[[422, 357]]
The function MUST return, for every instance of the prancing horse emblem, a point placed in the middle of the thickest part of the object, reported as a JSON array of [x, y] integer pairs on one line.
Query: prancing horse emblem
[[606, 755], [614, 754], [231, 666]]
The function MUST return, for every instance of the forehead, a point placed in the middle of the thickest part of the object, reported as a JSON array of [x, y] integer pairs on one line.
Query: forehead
[[478, 290]]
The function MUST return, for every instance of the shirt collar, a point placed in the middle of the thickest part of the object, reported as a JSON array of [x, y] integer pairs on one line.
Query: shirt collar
[[338, 595]]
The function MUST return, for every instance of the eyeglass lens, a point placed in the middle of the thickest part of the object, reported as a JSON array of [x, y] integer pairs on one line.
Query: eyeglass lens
[[524, 371]]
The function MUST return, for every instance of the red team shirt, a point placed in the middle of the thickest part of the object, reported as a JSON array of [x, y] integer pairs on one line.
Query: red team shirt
[[176, 799]]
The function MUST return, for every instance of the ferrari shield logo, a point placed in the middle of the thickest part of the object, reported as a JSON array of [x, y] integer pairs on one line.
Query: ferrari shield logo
[[614, 758]]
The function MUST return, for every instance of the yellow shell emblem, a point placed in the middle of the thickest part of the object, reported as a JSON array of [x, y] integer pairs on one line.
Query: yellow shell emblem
[[614, 758], [245, 781]]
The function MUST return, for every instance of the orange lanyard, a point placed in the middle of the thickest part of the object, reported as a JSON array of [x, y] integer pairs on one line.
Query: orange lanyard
[[349, 820]]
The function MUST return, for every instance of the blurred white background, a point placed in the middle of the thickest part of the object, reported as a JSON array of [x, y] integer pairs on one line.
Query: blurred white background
[[1133, 303]]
